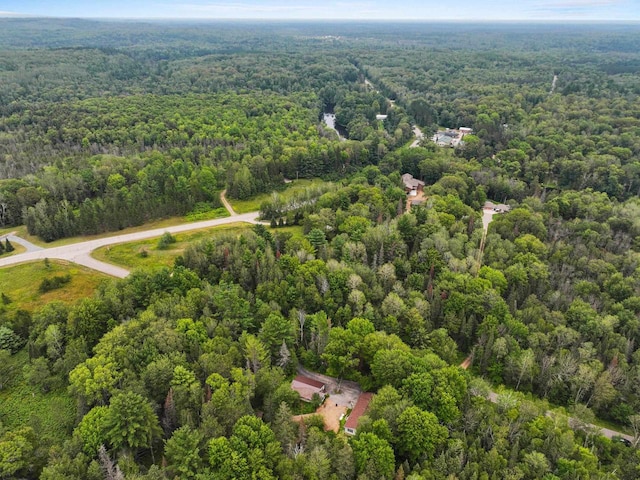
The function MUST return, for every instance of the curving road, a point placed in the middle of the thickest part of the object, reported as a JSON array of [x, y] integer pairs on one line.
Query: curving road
[[21, 241], [80, 253]]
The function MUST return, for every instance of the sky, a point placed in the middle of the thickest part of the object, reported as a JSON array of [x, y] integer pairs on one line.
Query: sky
[[422, 10]]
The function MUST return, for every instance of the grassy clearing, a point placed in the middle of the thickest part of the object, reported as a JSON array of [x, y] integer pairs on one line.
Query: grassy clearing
[[21, 284], [129, 255], [21, 231], [253, 204], [50, 414]]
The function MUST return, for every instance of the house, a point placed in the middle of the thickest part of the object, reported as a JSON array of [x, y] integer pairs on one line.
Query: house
[[359, 409], [412, 185], [381, 117], [444, 139], [451, 137], [308, 387]]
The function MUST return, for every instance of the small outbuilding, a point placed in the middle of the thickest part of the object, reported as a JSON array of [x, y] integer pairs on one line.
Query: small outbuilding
[[359, 409], [308, 387]]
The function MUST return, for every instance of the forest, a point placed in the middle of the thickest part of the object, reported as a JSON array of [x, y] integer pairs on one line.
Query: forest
[[185, 371]]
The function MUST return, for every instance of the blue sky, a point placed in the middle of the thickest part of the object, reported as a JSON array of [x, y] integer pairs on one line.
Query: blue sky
[[586, 10]]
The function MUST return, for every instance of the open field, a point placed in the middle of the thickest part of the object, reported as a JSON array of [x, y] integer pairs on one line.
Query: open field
[[253, 204], [20, 283], [130, 255]]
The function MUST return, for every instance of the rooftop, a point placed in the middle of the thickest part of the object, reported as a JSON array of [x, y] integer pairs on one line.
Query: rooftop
[[361, 406], [307, 387]]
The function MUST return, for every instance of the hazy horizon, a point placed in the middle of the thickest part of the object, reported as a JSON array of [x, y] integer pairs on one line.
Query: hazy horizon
[[599, 11]]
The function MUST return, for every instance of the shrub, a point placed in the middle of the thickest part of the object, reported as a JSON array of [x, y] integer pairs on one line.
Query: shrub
[[54, 283], [165, 240]]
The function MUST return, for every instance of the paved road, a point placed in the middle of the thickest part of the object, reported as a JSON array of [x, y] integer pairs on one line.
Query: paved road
[[21, 241], [80, 253]]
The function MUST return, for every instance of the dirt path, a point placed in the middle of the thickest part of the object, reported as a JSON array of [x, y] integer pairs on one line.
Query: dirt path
[[419, 137], [487, 217], [226, 204], [466, 363], [553, 84], [80, 253]]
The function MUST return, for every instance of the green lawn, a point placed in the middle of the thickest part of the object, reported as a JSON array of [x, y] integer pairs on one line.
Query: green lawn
[[20, 283], [51, 414], [130, 255], [253, 204]]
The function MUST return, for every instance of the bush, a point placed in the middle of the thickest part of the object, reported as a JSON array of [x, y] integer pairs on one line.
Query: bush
[[53, 283], [165, 240]]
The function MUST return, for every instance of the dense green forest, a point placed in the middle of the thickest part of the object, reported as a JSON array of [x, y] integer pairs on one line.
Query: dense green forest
[[185, 372]]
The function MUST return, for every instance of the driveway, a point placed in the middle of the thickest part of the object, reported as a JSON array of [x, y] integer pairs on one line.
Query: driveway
[[419, 136], [344, 393], [80, 253]]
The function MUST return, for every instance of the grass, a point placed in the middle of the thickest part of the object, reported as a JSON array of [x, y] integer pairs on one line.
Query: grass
[[21, 231], [253, 204], [21, 284], [17, 249], [129, 255], [51, 414]]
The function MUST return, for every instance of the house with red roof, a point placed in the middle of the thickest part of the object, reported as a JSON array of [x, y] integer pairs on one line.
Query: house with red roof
[[358, 410], [308, 387]]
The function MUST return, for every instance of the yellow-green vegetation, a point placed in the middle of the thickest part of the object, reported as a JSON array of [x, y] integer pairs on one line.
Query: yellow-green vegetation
[[17, 248], [20, 284], [52, 413], [253, 204], [146, 253]]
